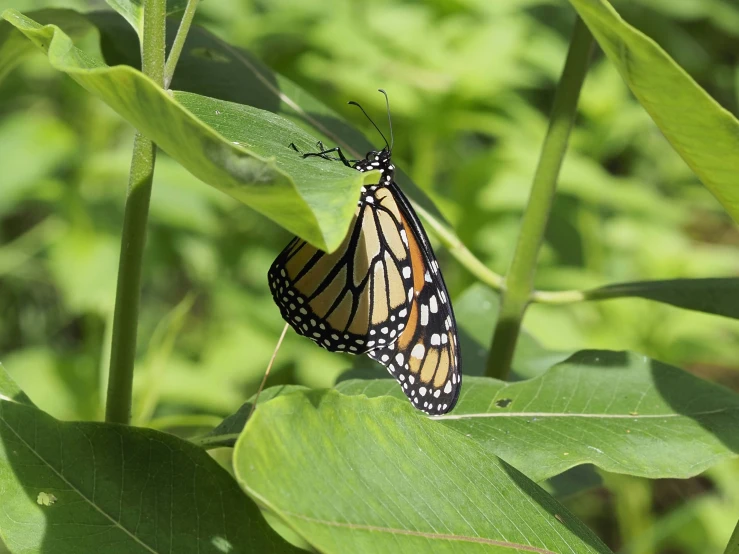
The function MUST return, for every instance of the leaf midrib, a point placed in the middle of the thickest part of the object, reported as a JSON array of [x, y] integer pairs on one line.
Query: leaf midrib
[[582, 415], [422, 534], [391, 530]]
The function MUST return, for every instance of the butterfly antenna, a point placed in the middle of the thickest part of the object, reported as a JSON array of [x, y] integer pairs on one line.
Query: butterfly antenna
[[353, 103], [389, 121]]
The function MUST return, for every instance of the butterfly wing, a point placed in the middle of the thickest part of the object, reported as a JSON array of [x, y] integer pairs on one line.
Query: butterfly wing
[[425, 359], [357, 297]]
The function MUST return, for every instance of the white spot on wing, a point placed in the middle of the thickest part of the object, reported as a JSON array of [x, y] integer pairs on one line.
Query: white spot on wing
[[418, 351], [424, 314]]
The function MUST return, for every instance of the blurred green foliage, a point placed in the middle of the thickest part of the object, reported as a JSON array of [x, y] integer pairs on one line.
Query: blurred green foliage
[[470, 83]]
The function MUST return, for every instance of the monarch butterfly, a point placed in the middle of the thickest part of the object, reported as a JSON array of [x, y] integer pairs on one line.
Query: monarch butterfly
[[380, 293]]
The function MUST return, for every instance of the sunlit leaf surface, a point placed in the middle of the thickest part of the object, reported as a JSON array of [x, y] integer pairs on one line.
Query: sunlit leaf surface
[[703, 133], [620, 411], [373, 475]]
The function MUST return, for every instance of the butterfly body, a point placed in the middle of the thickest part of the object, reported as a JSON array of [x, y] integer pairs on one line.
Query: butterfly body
[[380, 293]]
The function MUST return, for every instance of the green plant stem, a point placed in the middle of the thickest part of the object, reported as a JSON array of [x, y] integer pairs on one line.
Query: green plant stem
[[733, 546], [520, 277], [128, 292], [179, 42], [460, 251], [558, 297]]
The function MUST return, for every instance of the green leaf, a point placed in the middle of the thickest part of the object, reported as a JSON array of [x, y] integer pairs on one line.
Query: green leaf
[[704, 134], [14, 46], [117, 490], [719, 296], [311, 198], [10, 391], [133, 11], [622, 412], [372, 475], [211, 67]]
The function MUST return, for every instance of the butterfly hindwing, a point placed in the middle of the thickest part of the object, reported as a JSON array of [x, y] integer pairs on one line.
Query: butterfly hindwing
[[426, 359]]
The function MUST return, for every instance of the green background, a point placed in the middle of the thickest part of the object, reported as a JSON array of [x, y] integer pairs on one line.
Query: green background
[[470, 83]]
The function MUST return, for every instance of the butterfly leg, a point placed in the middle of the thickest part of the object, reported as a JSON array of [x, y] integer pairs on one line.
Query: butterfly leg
[[324, 154]]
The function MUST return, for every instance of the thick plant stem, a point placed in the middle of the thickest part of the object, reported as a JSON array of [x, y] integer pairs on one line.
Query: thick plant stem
[[128, 292], [179, 41], [520, 277]]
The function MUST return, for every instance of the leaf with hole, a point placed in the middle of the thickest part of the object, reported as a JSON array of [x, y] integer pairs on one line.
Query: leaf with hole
[[117, 489], [620, 411]]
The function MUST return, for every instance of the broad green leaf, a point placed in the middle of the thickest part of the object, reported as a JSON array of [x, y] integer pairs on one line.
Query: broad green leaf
[[373, 475], [211, 67], [718, 296], [619, 411], [315, 202], [10, 391], [133, 11], [704, 134], [117, 490]]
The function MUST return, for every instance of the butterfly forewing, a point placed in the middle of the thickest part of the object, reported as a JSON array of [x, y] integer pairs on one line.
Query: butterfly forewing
[[357, 297], [425, 360]]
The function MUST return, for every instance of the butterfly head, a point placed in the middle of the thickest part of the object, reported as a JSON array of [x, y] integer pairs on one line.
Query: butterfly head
[[380, 160]]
